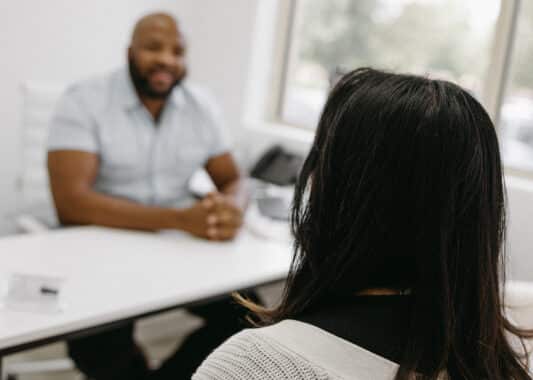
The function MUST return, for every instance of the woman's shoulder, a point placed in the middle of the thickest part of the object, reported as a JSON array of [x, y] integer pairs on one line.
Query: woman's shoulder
[[253, 354], [292, 350]]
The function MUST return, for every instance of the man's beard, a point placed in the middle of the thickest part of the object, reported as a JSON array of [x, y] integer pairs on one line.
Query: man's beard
[[142, 85]]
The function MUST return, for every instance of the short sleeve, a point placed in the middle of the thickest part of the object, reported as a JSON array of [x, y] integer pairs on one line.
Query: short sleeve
[[71, 126], [218, 142]]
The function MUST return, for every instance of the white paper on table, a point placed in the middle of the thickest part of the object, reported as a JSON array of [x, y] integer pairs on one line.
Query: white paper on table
[[33, 293]]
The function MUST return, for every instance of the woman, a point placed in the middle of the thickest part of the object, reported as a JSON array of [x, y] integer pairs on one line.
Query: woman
[[399, 224]]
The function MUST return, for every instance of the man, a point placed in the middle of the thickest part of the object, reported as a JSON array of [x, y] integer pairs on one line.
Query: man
[[122, 149]]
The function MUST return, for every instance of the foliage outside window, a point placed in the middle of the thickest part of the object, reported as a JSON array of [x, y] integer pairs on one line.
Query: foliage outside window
[[449, 39], [516, 124]]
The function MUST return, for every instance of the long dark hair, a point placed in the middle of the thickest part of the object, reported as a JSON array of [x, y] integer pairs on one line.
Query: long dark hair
[[403, 188]]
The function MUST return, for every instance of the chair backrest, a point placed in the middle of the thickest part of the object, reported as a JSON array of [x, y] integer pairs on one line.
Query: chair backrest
[[519, 309], [38, 103]]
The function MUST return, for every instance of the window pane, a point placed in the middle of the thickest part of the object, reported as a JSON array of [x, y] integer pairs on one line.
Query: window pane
[[517, 111], [449, 39]]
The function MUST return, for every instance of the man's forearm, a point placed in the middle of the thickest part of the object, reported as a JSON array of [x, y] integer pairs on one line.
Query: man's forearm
[[94, 208]]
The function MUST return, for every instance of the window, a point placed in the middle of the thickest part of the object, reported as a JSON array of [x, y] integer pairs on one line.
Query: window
[[484, 45], [449, 39], [516, 121]]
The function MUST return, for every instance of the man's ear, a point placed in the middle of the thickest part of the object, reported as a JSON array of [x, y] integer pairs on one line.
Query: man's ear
[[130, 52]]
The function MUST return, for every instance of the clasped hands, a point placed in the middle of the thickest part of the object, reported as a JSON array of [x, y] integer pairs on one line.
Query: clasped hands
[[215, 217]]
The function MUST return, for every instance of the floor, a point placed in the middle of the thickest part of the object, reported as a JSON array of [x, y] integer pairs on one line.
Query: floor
[[158, 335]]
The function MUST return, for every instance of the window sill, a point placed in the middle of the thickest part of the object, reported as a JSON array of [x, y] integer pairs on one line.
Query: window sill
[[521, 182], [263, 134], [259, 135]]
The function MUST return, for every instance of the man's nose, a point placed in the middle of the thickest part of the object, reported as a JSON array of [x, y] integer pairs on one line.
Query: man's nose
[[166, 58]]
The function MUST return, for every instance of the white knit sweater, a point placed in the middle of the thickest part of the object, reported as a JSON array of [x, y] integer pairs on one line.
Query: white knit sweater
[[296, 351], [299, 351]]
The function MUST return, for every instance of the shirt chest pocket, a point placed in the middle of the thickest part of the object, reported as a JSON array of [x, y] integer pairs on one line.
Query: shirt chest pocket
[[191, 147], [196, 154], [189, 159], [121, 157]]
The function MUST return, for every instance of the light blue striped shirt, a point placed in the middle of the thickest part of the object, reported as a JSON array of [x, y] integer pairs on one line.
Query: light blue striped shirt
[[140, 160]]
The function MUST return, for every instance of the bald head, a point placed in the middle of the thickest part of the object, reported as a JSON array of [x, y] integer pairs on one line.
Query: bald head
[[154, 22], [157, 55]]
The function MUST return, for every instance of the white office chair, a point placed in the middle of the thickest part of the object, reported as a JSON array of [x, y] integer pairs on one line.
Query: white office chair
[[519, 305], [34, 210], [34, 207]]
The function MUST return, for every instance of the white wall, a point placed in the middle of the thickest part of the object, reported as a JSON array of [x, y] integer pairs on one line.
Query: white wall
[[67, 40]]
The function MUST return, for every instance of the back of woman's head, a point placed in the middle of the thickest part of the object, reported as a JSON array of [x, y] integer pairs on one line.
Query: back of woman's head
[[403, 189]]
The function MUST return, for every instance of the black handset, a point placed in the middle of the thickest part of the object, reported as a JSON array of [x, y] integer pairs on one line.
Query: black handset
[[277, 166]]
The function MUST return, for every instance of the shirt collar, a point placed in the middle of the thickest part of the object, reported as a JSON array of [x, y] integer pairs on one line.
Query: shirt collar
[[177, 97], [130, 98], [128, 94]]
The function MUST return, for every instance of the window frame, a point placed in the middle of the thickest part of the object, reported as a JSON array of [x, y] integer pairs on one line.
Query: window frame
[[495, 84]]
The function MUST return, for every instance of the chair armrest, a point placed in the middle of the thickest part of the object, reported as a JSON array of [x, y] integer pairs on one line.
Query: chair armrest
[[30, 224]]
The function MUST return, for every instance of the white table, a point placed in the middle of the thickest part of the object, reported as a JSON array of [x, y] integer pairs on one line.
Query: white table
[[115, 276]]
